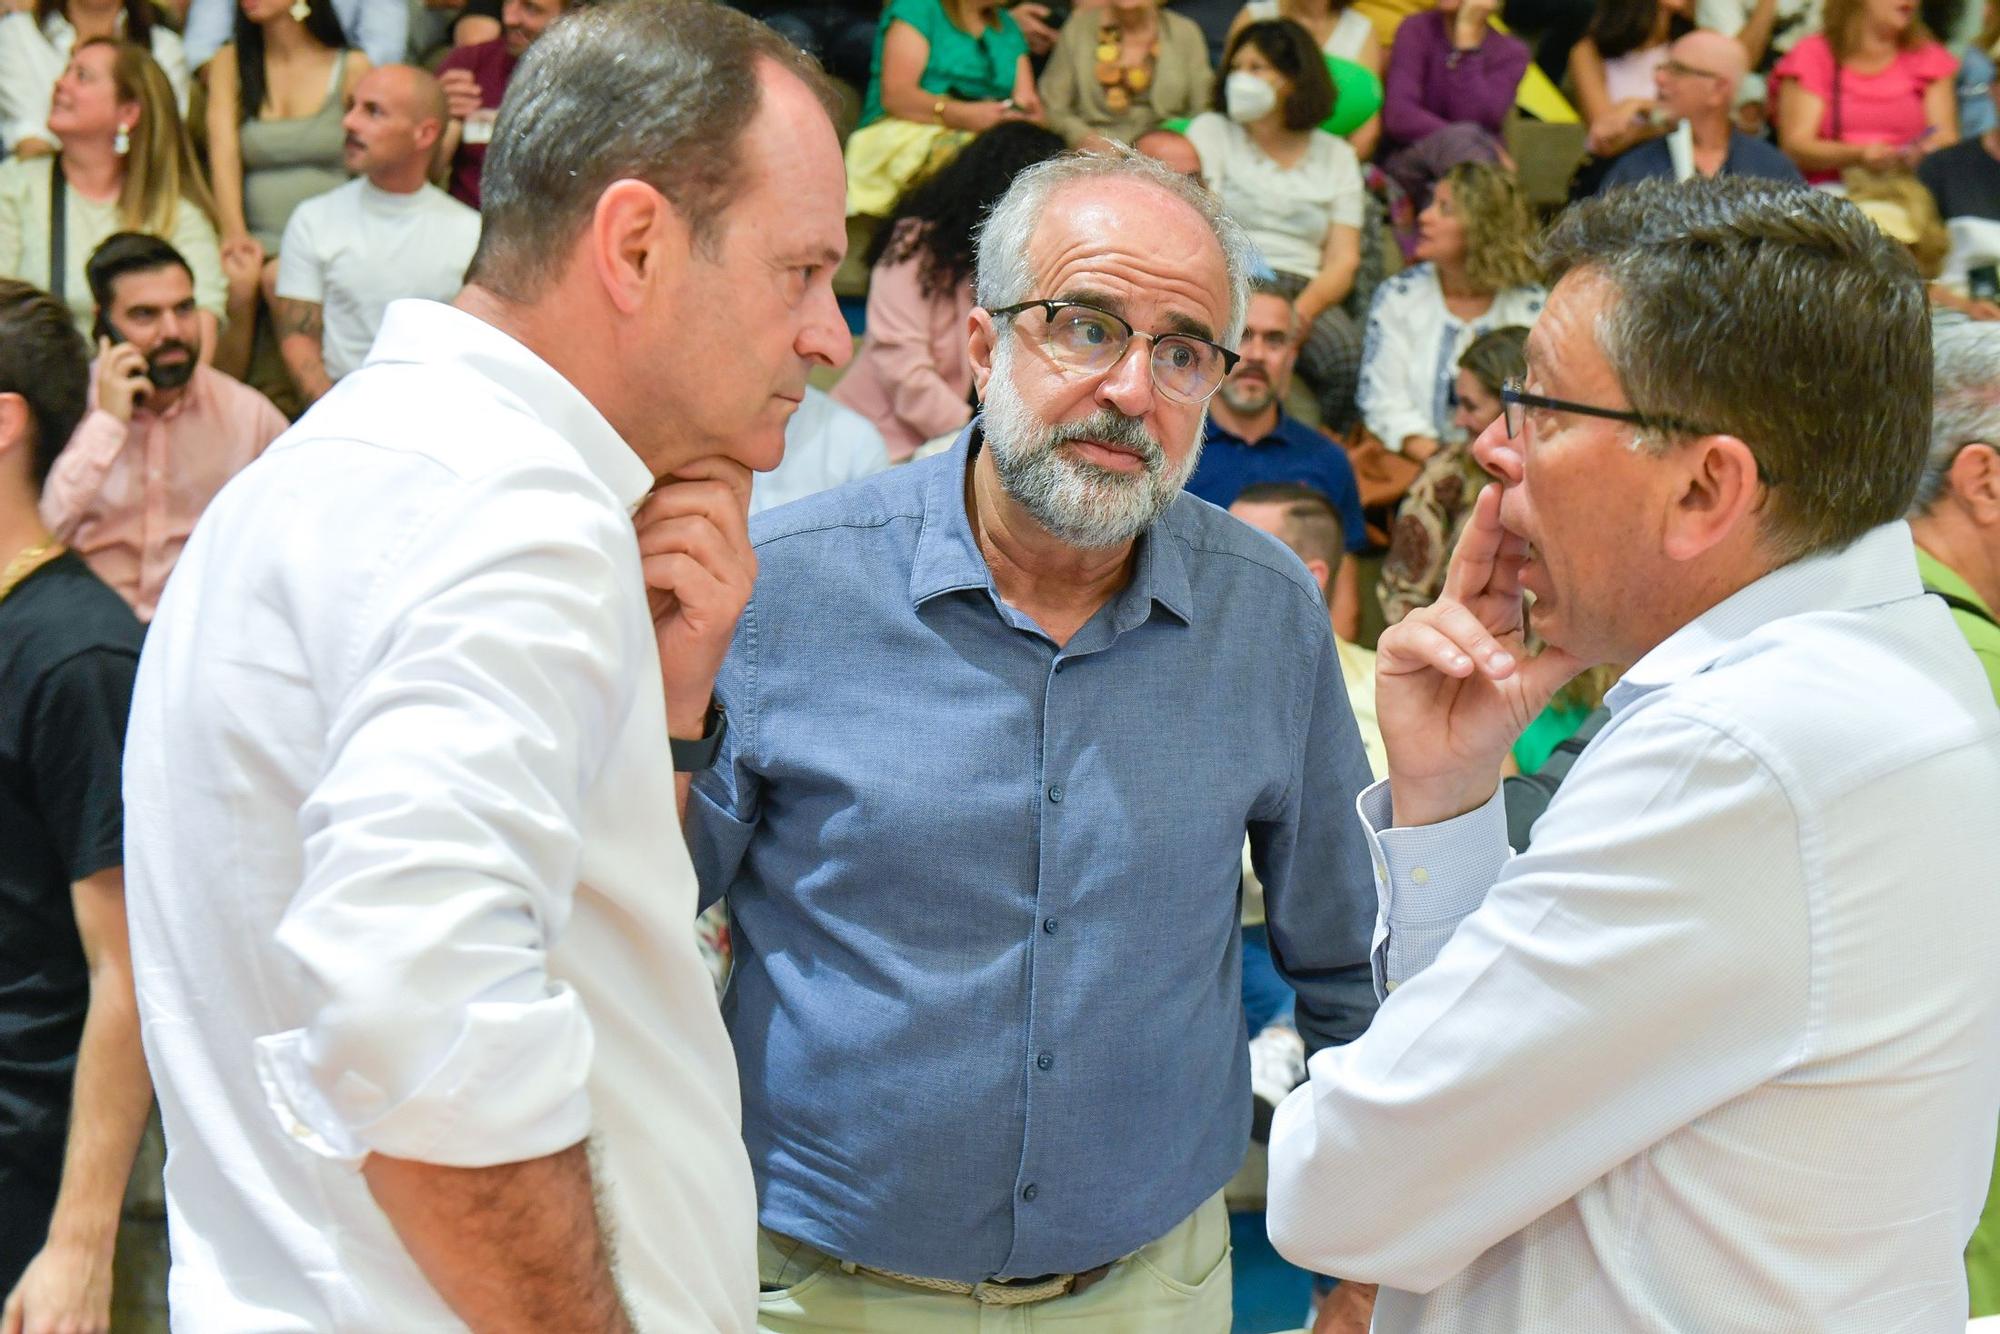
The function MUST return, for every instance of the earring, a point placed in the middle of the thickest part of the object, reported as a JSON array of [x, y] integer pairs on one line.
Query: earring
[[300, 9], [121, 142]]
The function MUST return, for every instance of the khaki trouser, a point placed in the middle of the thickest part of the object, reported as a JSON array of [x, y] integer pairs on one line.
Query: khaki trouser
[[1179, 1284]]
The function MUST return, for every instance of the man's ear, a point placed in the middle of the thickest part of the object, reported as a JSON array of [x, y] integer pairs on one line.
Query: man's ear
[[1719, 490], [638, 241], [981, 336], [17, 433], [1974, 480]]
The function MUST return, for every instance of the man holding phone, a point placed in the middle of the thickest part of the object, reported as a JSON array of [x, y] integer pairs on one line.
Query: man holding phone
[[164, 432]]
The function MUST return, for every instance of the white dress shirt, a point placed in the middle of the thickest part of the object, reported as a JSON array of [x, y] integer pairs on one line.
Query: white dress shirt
[[402, 863], [827, 444], [1721, 1051]]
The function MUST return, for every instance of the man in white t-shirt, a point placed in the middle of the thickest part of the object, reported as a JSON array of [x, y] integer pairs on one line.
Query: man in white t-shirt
[[387, 234]]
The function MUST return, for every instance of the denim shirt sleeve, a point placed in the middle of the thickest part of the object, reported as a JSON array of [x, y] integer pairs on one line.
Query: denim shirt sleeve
[[1313, 860], [723, 800]]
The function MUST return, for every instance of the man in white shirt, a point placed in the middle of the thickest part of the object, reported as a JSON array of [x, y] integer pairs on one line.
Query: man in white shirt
[[411, 918], [1721, 1052], [387, 234]]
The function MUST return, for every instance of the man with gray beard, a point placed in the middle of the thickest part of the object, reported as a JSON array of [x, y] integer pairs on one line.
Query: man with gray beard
[[998, 725]]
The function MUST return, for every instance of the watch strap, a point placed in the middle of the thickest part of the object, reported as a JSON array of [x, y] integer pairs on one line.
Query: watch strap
[[694, 756]]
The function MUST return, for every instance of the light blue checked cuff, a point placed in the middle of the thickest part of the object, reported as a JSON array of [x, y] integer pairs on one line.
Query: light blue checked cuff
[[1428, 879]]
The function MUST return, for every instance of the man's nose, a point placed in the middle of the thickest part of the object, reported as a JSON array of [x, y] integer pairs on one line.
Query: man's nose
[[1498, 454]]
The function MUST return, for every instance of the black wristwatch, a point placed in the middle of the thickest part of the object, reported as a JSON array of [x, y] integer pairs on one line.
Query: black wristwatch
[[694, 756]]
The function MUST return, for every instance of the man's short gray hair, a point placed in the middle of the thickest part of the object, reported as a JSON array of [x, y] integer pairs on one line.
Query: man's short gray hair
[[1775, 314], [1005, 276], [1965, 402], [654, 90]]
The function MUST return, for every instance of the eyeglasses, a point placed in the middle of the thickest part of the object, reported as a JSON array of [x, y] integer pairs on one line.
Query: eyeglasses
[[1673, 66], [1090, 341], [1514, 402]]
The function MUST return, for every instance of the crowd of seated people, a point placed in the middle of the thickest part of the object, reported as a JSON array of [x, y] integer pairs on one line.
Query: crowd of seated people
[[270, 178]]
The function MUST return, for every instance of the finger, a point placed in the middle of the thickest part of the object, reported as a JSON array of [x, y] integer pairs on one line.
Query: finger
[[702, 602], [1473, 639], [1416, 644], [694, 535], [12, 1315], [716, 501], [714, 467], [103, 345], [1471, 568]]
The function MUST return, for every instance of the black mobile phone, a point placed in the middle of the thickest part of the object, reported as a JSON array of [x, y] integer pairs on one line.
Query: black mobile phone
[[1983, 281]]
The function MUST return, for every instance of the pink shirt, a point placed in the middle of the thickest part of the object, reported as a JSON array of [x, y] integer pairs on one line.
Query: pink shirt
[[1886, 107], [125, 497], [911, 377]]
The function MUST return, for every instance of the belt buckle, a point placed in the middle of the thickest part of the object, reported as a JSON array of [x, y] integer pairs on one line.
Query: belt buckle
[[991, 1293]]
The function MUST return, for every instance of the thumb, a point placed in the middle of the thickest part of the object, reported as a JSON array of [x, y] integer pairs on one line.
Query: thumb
[[1547, 672]]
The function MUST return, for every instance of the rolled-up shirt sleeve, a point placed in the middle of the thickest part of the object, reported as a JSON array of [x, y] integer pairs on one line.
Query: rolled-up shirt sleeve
[[475, 700], [723, 799]]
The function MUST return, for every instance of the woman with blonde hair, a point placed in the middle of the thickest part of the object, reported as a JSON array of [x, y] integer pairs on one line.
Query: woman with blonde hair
[[1898, 204], [125, 166], [1873, 89], [1473, 275]]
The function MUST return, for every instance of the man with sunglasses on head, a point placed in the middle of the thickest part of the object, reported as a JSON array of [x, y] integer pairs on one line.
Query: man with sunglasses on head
[[998, 725], [1721, 1051], [1697, 84]]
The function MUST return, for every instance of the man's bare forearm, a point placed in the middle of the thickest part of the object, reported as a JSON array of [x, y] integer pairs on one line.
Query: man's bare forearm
[[517, 1247], [111, 1096], [112, 1092], [300, 332]]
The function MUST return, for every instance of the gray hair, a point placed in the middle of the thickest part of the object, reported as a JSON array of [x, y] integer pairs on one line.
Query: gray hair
[[654, 90], [1004, 276], [1775, 314], [1966, 402]]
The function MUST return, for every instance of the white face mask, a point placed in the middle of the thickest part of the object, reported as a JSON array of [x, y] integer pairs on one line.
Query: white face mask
[[1248, 97]]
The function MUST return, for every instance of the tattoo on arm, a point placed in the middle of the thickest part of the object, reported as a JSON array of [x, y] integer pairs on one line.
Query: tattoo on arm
[[295, 317]]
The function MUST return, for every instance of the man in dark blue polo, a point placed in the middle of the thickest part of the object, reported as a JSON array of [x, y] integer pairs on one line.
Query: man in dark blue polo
[[1250, 440], [1697, 85], [998, 725]]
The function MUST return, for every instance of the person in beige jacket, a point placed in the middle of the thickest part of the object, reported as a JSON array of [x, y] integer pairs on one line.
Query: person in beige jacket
[[1118, 71]]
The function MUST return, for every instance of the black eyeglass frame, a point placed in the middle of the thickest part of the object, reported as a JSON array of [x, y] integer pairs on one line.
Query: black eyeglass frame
[[1049, 308], [1511, 393]]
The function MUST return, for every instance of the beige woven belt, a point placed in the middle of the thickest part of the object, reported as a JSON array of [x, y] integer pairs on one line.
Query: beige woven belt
[[994, 1293]]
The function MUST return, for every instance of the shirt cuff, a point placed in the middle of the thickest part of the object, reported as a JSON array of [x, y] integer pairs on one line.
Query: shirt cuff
[[1428, 879], [510, 1088]]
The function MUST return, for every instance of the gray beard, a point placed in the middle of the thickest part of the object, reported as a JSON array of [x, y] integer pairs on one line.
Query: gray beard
[[1078, 502]]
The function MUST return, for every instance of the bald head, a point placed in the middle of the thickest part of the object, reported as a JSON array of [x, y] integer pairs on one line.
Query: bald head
[[412, 91], [1699, 80], [394, 122]]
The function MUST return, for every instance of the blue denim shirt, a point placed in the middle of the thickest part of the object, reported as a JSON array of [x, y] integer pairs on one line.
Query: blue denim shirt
[[984, 891]]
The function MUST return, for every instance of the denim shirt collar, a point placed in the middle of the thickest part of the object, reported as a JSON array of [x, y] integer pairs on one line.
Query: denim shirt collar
[[948, 558]]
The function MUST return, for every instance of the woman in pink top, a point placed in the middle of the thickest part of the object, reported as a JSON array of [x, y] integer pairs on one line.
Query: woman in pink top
[[911, 377], [1874, 89]]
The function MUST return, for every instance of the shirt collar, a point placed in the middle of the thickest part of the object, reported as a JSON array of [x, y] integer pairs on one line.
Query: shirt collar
[[1877, 568], [431, 333], [948, 558], [1277, 432]]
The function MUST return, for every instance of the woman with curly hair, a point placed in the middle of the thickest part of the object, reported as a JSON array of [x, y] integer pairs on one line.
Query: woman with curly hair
[[1474, 275], [911, 376]]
